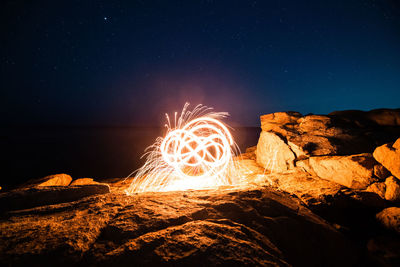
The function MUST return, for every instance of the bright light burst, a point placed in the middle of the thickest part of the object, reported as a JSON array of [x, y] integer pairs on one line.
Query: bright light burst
[[196, 153]]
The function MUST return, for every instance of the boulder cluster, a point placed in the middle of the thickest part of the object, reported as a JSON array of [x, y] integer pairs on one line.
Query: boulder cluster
[[345, 166], [355, 149]]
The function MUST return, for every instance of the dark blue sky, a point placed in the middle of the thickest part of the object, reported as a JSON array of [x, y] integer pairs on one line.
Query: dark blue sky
[[129, 62]]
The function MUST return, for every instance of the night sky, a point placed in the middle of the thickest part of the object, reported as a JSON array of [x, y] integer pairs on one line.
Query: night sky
[[129, 62]]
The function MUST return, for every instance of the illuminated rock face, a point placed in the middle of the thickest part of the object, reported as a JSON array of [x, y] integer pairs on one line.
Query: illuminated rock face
[[273, 154], [333, 147], [392, 189], [389, 156], [355, 171]]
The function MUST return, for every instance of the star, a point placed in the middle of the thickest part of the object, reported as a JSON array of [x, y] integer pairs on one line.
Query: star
[[105, 18]]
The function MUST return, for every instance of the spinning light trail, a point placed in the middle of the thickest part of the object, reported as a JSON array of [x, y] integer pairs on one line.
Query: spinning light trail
[[196, 153]]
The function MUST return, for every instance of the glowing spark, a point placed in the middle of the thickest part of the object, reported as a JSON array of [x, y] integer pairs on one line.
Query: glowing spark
[[197, 153]]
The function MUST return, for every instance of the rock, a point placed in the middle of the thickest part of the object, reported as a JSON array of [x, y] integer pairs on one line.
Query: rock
[[355, 171], [390, 218], [385, 117], [198, 228], [389, 156], [392, 189], [83, 181], [305, 166], [396, 144], [61, 179], [384, 250], [32, 197], [381, 172], [377, 188], [381, 117], [312, 190], [250, 153], [339, 133], [280, 118], [273, 154]]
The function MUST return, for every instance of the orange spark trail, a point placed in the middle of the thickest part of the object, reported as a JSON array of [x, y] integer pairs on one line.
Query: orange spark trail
[[197, 153]]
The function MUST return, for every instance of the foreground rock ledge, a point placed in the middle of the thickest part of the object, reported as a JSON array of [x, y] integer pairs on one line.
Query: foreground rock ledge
[[203, 228], [40, 196]]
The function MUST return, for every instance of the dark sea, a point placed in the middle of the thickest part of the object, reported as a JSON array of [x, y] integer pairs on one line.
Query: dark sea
[[95, 152]]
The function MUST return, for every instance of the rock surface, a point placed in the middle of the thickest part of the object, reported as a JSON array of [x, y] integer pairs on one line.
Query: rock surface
[[273, 154], [231, 227], [392, 186], [390, 218], [33, 197], [381, 172], [355, 171], [378, 188], [382, 117], [389, 156]]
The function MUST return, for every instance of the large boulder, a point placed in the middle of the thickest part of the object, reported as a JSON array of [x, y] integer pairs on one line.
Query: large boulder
[[273, 154], [389, 156], [390, 218], [355, 171], [392, 186]]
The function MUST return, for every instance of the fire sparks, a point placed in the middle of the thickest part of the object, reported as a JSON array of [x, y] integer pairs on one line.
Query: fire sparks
[[196, 153]]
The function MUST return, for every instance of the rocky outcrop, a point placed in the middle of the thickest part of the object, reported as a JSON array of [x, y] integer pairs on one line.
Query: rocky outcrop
[[389, 156], [390, 218], [335, 147], [206, 228], [381, 117]]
